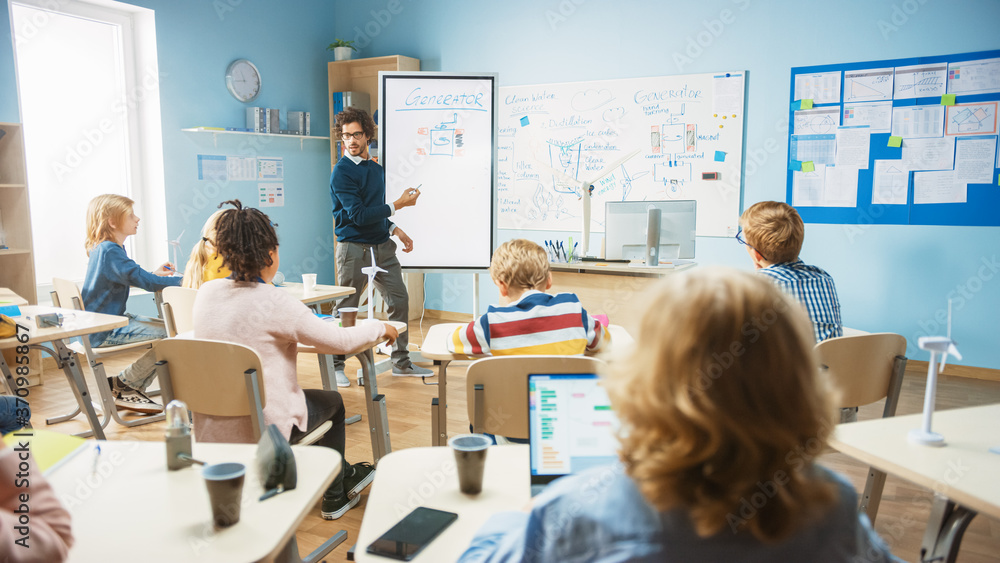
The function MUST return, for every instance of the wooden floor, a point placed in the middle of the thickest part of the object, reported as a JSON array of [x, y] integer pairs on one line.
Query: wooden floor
[[900, 521]]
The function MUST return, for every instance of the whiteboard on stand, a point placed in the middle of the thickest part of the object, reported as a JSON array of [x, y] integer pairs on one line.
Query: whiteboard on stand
[[438, 132]]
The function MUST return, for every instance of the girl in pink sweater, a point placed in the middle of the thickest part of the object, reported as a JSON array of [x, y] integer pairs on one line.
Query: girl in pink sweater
[[245, 308]]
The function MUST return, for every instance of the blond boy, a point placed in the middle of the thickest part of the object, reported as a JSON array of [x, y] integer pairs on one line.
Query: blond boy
[[528, 320], [773, 234]]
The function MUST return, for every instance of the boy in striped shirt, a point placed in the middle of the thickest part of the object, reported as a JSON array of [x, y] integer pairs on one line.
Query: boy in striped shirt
[[528, 320], [774, 233]]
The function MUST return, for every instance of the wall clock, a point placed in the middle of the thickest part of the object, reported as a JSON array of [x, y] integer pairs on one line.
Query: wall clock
[[243, 80]]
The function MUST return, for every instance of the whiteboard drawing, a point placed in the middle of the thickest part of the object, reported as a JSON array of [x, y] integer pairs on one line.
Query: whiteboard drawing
[[618, 140]]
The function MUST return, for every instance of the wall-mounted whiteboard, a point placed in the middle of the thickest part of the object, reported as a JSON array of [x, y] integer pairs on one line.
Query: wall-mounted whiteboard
[[438, 131], [685, 135]]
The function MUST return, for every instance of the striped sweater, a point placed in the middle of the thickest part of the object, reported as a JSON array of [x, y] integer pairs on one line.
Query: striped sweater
[[537, 323]]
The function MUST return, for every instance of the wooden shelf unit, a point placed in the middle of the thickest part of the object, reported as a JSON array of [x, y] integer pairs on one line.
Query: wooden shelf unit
[[215, 135], [360, 75], [17, 265]]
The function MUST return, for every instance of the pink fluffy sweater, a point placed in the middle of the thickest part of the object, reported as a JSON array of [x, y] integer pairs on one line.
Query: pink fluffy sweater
[[271, 322]]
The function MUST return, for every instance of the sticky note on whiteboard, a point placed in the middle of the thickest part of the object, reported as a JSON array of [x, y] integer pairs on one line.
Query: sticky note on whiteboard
[[795, 165], [720, 156], [808, 166], [524, 121], [948, 100], [895, 142]]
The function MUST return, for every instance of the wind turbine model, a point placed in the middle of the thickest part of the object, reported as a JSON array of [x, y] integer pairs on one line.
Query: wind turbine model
[[584, 187], [371, 271], [943, 345], [175, 246]]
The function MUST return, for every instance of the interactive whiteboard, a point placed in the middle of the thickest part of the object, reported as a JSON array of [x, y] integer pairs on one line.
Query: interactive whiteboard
[[681, 137], [438, 132]]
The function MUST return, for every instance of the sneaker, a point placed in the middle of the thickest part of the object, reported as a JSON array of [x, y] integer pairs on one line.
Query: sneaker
[[411, 370], [335, 507], [342, 380], [359, 476], [132, 399]]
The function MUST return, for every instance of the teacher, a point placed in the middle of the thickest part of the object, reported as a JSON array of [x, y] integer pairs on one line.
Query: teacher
[[361, 219]]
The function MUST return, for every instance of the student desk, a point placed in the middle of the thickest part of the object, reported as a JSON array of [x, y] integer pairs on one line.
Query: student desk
[[314, 300], [125, 502], [75, 323], [612, 289], [435, 347], [378, 418], [962, 474], [427, 477]]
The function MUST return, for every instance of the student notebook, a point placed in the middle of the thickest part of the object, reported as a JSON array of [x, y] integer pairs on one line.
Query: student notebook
[[571, 426]]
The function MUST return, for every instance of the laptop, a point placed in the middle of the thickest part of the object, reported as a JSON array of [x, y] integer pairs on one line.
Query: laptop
[[571, 426]]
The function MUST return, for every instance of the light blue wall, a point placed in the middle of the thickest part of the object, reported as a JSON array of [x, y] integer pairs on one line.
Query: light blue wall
[[891, 278]]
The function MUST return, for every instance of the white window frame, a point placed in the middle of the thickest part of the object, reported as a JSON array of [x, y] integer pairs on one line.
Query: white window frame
[[142, 106]]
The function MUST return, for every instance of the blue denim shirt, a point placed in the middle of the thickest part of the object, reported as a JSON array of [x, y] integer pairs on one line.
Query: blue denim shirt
[[110, 273], [600, 515]]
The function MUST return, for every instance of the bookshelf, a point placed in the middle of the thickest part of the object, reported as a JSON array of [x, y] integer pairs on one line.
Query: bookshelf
[[360, 75], [216, 132], [17, 261], [17, 265]]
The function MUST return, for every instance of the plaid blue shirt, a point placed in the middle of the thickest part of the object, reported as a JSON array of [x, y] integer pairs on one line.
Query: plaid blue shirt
[[814, 288]]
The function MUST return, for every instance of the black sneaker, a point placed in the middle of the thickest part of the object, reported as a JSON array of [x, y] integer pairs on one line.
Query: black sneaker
[[132, 399], [359, 476], [335, 507]]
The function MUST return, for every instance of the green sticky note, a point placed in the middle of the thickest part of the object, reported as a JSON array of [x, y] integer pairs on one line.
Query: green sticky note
[[807, 103], [808, 166], [948, 100], [895, 142]]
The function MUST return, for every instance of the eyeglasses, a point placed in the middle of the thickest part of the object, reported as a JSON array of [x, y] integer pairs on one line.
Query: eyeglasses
[[739, 238], [357, 135]]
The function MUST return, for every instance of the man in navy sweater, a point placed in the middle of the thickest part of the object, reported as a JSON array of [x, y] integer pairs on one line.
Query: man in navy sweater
[[361, 219]]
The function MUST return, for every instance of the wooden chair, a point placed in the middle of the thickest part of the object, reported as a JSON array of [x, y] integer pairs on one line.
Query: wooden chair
[[497, 389], [178, 306], [226, 379], [66, 294], [864, 369]]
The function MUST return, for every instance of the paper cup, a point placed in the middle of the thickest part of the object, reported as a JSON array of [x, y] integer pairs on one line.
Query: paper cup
[[308, 282]]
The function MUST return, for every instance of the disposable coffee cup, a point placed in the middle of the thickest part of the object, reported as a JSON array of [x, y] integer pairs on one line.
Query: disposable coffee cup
[[349, 319], [308, 282], [225, 491], [470, 460]]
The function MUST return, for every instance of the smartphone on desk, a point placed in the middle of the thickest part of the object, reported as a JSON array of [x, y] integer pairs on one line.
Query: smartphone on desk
[[412, 534]]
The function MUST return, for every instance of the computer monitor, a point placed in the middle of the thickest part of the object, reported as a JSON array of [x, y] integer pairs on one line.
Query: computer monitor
[[625, 229]]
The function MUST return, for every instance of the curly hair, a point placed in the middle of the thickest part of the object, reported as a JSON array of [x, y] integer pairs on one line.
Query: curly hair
[[521, 264], [102, 211], [355, 115], [244, 237], [721, 404], [774, 229]]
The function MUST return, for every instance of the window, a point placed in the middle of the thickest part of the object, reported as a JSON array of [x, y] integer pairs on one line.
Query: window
[[89, 99]]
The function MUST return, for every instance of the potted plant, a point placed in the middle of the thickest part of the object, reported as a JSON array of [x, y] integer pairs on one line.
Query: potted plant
[[341, 49]]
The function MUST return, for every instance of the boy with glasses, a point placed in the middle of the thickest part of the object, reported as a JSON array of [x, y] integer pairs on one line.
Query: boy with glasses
[[773, 233]]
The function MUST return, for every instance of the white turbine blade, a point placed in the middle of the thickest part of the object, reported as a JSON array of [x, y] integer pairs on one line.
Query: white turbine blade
[[609, 168], [953, 350]]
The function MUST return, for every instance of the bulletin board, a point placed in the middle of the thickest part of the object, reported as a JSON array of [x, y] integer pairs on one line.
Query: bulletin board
[[633, 139], [940, 111], [439, 134]]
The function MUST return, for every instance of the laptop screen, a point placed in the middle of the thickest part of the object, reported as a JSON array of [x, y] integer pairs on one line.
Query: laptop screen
[[571, 426]]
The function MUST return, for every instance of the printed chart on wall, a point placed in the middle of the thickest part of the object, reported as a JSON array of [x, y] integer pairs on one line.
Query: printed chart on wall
[[438, 135], [670, 137], [906, 141]]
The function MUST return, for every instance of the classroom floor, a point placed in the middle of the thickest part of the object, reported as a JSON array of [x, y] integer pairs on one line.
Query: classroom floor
[[901, 518]]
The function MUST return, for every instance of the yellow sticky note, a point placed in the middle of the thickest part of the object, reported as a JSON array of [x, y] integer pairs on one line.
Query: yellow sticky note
[[948, 100], [895, 142], [807, 103], [808, 166]]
